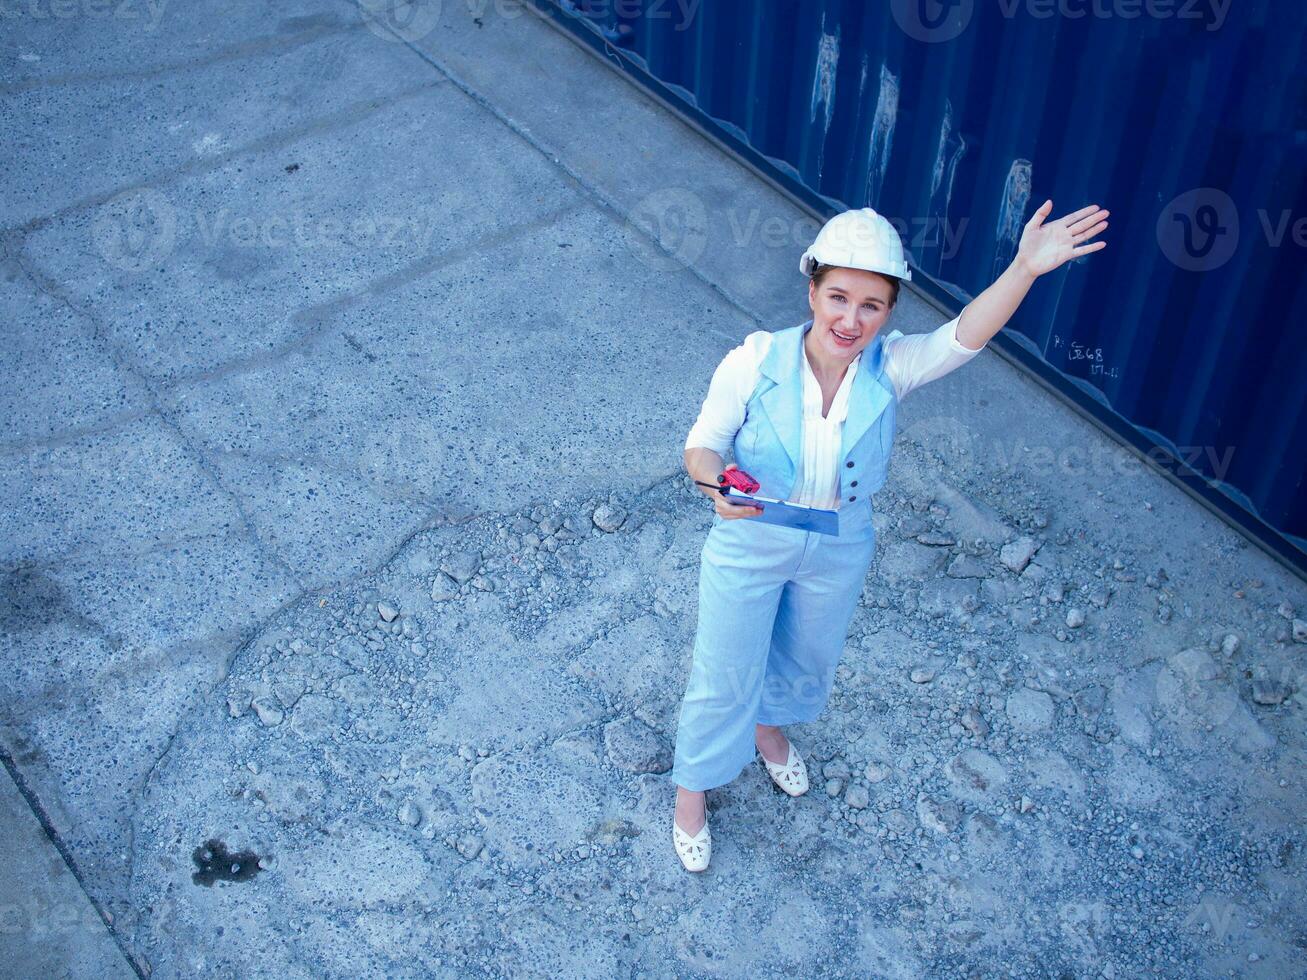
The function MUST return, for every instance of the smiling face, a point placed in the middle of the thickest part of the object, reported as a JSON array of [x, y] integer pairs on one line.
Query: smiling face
[[849, 306]]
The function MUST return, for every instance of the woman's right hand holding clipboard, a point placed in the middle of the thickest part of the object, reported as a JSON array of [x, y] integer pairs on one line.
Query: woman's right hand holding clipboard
[[729, 511], [706, 463]]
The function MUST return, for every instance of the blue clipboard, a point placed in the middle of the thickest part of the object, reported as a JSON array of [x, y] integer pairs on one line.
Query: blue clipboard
[[789, 515]]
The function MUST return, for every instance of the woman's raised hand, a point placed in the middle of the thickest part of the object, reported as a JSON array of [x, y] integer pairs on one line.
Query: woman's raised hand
[[1044, 247], [729, 511]]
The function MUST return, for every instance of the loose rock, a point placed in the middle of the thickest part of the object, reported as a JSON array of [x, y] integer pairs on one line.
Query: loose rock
[[409, 814], [877, 772], [1016, 554], [462, 566], [974, 722], [935, 539], [966, 566], [942, 818], [444, 588], [268, 710], [237, 704], [608, 517], [1029, 710]]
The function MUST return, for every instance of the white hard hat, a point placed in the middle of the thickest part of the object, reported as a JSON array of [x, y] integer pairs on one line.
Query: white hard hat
[[858, 239]]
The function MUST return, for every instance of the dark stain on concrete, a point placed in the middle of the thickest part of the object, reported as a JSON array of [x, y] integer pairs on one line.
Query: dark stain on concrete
[[216, 863]]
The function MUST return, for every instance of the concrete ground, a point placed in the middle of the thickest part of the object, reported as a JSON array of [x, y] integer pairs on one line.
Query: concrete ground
[[350, 568]]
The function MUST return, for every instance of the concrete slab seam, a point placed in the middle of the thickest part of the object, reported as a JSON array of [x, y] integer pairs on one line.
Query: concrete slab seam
[[328, 124], [274, 46], [590, 189], [52, 835], [124, 364], [321, 314]]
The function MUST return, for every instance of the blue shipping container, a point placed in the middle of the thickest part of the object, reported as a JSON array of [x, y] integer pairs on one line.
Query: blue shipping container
[[1186, 118]]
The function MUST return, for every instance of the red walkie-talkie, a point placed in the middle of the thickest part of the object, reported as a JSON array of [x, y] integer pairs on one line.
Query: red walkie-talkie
[[738, 479]]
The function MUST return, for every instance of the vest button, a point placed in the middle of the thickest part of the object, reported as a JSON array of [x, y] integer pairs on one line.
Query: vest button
[[849, 463], [854, 483], [851, 499]]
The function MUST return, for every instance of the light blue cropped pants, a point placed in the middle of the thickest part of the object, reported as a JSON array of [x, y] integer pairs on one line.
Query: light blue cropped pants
[[775, 605]]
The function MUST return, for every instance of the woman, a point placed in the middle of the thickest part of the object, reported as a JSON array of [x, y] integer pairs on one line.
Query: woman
[[812, 419]]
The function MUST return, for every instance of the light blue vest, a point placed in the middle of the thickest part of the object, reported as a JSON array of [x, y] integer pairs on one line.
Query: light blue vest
[[768, 445]]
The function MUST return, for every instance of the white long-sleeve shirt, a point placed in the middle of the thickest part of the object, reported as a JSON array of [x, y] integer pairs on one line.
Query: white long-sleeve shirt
[[911, 360]]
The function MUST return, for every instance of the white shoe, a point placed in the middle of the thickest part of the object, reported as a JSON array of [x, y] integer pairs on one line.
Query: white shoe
[[695, 851], [792, 776]]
